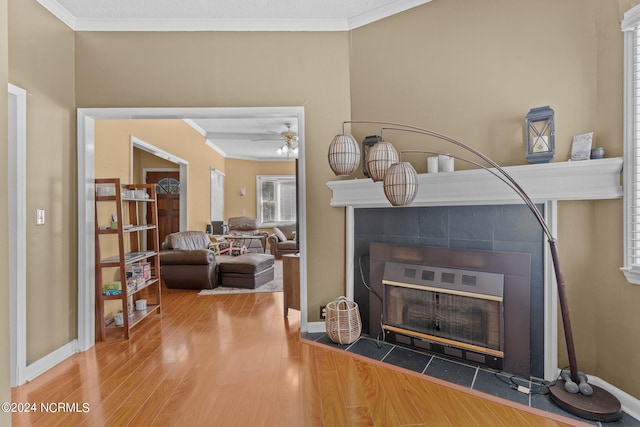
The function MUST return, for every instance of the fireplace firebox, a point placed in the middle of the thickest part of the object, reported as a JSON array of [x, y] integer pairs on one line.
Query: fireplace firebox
[[468, 304], [458, 310]]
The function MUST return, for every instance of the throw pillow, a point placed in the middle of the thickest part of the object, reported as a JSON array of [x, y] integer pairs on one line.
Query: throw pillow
[[279, 234]]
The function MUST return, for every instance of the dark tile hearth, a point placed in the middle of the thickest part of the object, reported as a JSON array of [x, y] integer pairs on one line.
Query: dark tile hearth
[[450, 371], [495, 383]]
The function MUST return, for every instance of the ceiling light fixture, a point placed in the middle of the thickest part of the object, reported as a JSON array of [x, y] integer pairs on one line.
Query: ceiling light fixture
[[289, 146]]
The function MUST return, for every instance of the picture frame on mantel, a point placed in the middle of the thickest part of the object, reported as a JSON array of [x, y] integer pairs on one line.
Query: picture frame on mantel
[[581, 147]]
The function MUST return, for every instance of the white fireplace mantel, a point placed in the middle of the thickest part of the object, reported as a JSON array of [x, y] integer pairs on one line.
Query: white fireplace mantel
[[544, 183], [583, 180]]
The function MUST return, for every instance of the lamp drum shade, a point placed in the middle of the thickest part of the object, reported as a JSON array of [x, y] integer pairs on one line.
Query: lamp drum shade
[[344, 155], [380, 157], [400, 184]]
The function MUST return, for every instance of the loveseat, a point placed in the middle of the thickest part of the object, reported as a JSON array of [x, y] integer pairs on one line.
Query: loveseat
[[283, 240], [246, 233]]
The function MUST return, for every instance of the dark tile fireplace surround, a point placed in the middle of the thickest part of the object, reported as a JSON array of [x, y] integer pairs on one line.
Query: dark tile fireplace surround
[[500, 228]]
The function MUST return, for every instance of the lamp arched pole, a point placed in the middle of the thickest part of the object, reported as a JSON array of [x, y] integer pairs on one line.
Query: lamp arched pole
[[601, 405]]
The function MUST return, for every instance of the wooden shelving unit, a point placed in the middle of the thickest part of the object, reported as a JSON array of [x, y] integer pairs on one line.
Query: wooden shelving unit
[[125, 247]]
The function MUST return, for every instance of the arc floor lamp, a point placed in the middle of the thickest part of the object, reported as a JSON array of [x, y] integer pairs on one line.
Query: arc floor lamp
[[571, 391]]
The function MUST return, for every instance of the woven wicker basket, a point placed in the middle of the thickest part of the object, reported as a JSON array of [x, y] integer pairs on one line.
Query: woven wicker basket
[[343, 321]]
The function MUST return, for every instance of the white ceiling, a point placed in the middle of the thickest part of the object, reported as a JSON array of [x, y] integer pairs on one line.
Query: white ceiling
[[250, 137], [223, 15], [253, 137]]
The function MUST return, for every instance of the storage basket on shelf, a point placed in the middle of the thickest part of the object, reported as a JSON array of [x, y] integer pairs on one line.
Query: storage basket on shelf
[[343, 321]]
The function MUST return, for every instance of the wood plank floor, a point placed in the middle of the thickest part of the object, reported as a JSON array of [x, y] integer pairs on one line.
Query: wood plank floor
[[234, 360]]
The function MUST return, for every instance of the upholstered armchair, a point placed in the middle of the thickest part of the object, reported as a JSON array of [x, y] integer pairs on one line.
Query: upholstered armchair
[[186, 261], [283, 240], [246, 233]]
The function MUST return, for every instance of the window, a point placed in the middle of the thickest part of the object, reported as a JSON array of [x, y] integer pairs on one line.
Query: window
[[217, 195], [168, 186], [631, 28], [276, 199]]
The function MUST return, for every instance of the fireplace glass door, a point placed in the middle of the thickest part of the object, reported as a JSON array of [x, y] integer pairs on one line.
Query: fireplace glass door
[[457, 319], [451, 307]]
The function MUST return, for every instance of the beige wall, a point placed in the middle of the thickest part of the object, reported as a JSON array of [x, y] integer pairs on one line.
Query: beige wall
[[5, 391], [245, 70], [144, 160], [615, 302], [41, 60], [242, 173], [475, 81], [113, 153]]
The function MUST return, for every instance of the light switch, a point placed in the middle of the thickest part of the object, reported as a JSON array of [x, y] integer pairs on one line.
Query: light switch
[[39, 216]]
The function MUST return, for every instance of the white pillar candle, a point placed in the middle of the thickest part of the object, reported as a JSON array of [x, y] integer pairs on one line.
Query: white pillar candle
[[432, 165], [445, 163]]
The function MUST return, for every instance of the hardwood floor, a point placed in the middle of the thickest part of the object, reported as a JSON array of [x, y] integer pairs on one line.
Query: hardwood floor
[[234, 360]]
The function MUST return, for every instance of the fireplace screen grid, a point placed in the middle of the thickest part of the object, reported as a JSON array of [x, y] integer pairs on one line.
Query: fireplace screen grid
[[458, 318]]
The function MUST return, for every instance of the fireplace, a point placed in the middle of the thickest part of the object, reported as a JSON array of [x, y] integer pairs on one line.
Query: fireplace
[[468, 304], [471, 209]]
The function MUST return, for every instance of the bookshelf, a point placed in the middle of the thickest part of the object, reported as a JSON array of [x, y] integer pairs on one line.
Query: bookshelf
[[127, 256]]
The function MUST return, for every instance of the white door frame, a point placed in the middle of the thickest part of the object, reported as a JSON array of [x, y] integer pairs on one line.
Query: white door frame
[[17, 184], [86, 195]]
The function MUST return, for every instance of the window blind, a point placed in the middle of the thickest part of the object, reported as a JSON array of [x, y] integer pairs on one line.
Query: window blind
[[631, 28], [277, 199], [634, 224]]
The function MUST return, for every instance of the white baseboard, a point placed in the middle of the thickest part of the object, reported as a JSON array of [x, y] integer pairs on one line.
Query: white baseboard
[[630, 404], [42, 365], [316, 327]]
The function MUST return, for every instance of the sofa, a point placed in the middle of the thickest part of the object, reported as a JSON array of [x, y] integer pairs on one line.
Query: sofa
[[246, 233], [187, 263], [283, 240]]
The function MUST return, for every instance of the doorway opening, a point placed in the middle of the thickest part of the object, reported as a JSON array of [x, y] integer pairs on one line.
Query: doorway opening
[[167, 198], [86, 175]]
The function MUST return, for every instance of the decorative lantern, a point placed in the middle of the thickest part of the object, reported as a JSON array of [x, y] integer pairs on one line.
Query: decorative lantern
[[380, 157], [344, 155], [367, 144], [540, 135], [401, 184]]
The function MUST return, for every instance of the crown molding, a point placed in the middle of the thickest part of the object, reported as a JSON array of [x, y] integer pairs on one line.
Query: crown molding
[[383, 12], [210, 25], [59, 12], [242, 24]]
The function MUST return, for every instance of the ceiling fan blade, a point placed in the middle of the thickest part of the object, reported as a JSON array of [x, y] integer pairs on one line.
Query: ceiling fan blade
[[273, 138], [242, 136]]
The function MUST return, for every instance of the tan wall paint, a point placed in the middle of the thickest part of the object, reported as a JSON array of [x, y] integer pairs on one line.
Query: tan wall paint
[[242, 173], [617, 317], [113, 148], [41, 60], [239, 69], [144, 160], [475, 81], [5, 382]]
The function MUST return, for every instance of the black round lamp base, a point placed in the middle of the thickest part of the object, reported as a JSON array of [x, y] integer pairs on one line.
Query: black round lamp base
[[600, 406]]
